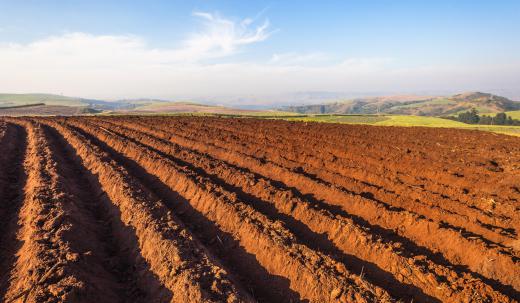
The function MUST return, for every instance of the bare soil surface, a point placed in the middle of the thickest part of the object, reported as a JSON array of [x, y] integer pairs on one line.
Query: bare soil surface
[[199, 209]]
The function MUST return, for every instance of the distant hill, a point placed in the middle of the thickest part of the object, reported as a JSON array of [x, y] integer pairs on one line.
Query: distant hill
[[20, 104], [26, 99], [46, 110], [192, 107], [48, 104], [11, 100], [413, 105]]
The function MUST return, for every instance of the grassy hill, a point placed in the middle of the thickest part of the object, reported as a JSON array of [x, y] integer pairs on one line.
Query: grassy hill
[[418, 106], [48, 99], [166, 108]]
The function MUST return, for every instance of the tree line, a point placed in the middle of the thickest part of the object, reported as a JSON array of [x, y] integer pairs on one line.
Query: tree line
[[472, 117]]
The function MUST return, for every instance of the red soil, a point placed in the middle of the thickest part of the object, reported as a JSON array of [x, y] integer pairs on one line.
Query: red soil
[[162, 209]]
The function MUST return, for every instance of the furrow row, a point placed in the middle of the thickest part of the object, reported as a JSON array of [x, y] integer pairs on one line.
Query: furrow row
[[171, 265], [361, 166], [346, 149], [480, 257], [313, 275], [50, 252], [467, 219], [114, 253], [404, 276]]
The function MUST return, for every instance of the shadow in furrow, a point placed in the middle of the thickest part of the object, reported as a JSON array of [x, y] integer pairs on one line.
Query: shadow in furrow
[[12, 182]]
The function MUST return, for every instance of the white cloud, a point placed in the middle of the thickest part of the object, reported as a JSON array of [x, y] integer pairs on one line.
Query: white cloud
[[107, 66], [222, 37]]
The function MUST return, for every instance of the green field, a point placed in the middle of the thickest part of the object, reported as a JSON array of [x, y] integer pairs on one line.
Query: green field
[[514, 114]]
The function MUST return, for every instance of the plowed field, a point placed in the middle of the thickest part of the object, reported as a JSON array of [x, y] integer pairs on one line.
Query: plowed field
[[183, 209]]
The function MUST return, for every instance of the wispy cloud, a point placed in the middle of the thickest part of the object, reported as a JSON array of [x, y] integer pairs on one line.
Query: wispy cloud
[[221, 37]]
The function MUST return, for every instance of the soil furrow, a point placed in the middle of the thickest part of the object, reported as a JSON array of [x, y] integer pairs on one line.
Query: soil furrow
[[95, 216], [336, 171], [343, 234], [480, 257], [220, 209], [275, 247], [355, 143], [185, 271], [264, 286], [320, 146], [490, 229], [487, 225], [12, 181], [240, 146], [470, 221], [53, 264]]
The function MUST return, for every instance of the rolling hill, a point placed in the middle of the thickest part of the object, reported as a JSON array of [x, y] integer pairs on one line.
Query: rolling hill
[[413, 105], [7, 100], [196, 108], [47, 104], [11, 100], [33, 104], [46, 110]]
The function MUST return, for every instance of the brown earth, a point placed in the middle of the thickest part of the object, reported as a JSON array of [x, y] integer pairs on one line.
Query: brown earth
[[184, 209]]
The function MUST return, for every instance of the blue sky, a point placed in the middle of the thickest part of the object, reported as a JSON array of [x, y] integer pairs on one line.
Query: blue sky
[[124, 49]]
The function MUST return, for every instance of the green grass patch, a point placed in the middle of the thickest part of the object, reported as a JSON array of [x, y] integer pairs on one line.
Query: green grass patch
[[514, 114]]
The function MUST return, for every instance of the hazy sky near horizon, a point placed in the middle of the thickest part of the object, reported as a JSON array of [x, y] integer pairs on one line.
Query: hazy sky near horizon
[[166, 49]]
